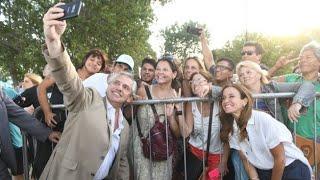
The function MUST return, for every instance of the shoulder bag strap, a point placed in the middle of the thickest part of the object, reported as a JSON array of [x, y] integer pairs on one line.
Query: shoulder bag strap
[[153, 109], [139, 128], [209, 133], [152, 105]]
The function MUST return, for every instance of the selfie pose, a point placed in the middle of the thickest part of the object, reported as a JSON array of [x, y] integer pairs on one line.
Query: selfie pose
[[95, 137]]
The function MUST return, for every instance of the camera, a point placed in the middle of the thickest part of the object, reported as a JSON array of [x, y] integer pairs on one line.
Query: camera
[[71, 10], [194, 30]]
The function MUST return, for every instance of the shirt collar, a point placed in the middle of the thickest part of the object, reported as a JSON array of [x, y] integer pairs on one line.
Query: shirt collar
[[110, 108]]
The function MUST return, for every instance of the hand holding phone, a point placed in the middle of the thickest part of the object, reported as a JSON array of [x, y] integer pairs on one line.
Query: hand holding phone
[[71, 10], [194, 30]]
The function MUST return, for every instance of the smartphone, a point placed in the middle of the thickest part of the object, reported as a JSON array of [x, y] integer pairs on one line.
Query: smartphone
[[71, 10], [194, 30]]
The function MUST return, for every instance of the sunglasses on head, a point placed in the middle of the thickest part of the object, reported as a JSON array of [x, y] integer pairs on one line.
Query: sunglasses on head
[[249, 53], [167, 57]]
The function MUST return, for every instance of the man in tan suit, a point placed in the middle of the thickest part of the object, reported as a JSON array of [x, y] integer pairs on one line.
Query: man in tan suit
[[91, 146]]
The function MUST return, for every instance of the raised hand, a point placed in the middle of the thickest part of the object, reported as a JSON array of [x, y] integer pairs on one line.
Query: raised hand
[[285, 60], [202, 89], [53, 28]]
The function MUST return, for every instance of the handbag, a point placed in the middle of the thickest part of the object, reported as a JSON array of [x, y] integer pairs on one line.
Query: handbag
[[158, 145], [194, 165], [307, 146]]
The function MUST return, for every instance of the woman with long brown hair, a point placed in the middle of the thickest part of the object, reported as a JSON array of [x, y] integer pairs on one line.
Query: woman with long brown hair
[[146, 167], [264, 142]]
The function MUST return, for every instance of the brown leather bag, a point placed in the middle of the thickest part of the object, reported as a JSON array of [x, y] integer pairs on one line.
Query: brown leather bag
[[157, 145], [307, 147]]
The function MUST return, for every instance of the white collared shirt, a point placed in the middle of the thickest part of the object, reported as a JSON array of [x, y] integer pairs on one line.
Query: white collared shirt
[[105, 167], [97, 81], [265, 133]]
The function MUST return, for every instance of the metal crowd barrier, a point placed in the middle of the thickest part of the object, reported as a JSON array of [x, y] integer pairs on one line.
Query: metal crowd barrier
[[275, 96], [26, 168]]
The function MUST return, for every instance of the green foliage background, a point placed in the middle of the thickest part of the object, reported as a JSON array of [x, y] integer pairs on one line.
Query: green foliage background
[[116, 26], [179, 42]]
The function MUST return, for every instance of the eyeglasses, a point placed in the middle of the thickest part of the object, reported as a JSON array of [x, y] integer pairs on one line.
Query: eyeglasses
[[198, 81], [249, 53], [222, 68]]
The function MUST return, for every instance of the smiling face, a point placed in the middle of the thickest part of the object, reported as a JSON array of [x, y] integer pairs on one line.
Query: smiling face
[[308, 62], [147, 72], [164, 73], [191, 66], [119, 90], [197, 80], [248, 76], [232, 103], [93, 64]]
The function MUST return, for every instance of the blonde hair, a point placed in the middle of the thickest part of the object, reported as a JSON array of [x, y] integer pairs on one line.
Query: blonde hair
[[254, 66], [35, 78]]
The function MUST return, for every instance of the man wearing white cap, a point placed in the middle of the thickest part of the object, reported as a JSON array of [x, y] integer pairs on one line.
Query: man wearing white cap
[[99, 80]]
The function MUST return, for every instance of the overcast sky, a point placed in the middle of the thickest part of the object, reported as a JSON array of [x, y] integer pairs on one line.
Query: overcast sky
[[227, 18]]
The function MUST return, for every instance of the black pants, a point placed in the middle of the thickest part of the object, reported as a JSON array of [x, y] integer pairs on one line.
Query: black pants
[[19, 159], [294, 171], [4, 173]]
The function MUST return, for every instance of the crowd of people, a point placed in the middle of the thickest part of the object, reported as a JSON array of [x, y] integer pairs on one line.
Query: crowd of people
[[103, 137]]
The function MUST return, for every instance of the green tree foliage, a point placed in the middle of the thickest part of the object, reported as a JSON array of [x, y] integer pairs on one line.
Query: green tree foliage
[[274, 47], [179, 42], [116, 26]]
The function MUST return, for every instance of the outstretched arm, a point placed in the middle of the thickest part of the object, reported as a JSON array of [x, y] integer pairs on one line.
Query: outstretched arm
[[206, 52], [53, 29], [305, 93], [23, 119], [63, 70], [281, 62]]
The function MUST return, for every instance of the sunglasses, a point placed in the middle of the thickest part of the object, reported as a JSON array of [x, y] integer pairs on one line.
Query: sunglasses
[[249, 53]]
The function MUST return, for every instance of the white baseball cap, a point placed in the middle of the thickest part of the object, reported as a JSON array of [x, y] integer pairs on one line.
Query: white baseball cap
[[126, 59]]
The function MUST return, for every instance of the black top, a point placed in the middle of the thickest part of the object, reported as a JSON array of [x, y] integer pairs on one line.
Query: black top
[[31, 98]]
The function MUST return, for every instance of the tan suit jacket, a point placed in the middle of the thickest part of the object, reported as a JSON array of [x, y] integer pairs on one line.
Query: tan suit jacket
[[86, 138]]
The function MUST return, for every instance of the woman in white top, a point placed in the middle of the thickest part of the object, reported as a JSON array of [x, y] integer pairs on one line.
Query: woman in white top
[[263, 142], [195, 126]]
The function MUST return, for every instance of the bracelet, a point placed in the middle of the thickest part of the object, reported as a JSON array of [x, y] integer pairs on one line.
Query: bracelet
[[178, 113]]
